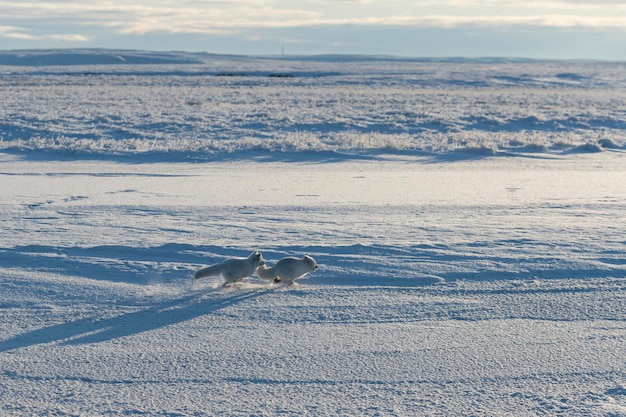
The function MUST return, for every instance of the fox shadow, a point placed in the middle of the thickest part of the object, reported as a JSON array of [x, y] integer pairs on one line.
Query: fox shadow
[[96, 329]]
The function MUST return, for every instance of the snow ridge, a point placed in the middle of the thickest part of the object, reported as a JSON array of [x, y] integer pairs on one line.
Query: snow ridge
[[200, 106]]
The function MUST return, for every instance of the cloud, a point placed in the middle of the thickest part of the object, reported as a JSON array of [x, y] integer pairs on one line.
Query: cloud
[[68, 37], [448, 21], [562, 4], [166, 16], [18, 33], [38, 20], [13, 32]]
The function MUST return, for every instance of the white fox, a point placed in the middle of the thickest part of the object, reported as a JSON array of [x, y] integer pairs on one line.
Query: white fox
[[288, 269], [234, 269]]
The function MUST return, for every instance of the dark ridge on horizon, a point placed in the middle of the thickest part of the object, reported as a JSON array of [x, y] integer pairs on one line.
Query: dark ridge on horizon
[[71, 57], [96, 56]]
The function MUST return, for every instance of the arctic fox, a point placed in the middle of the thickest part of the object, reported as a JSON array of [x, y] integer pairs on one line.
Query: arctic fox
[[288, 269], [234, 269]]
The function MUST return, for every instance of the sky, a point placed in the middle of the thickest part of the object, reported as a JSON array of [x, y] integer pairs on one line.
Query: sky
[[555, 29]]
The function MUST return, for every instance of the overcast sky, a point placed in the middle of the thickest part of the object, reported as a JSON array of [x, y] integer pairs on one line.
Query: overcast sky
[[591, 29]]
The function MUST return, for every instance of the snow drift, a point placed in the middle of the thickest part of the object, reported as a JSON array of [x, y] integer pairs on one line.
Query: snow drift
[[466, 217]]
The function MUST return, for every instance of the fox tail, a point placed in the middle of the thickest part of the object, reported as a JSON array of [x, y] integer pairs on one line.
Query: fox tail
[[207, 272]]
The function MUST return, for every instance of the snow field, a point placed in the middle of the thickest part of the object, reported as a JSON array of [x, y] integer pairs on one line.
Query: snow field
[[232, 105], [467, 217], [458, 348], [507, 300]]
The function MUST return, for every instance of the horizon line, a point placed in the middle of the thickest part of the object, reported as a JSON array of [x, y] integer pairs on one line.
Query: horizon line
[[286, 56]]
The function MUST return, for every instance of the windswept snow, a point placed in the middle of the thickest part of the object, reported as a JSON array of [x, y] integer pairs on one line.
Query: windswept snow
[[495, 287], [456, 277], [234, 104]]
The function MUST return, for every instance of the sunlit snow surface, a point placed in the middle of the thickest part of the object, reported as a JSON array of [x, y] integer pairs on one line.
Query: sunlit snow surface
[[337, 104], [474, 265]]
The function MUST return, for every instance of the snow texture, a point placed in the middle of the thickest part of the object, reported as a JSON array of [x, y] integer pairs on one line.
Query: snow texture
[[471, 264], [198, 105]]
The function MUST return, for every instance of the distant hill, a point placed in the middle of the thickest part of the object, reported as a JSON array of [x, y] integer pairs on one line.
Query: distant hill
[[63, 57], [73, 57]]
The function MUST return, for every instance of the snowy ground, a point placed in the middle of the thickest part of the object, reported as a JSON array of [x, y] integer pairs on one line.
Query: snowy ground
[[482, 287], [483, 277]]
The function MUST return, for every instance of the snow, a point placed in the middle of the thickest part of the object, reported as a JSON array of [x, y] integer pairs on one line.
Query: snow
[[453, 280], [175, 105]]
